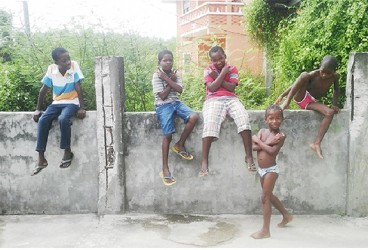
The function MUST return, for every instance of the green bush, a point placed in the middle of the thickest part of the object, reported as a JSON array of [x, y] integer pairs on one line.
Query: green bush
[[319, 28], [30, 56]]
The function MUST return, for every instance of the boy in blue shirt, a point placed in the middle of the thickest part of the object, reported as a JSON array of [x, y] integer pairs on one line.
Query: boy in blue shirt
[[64, 77]]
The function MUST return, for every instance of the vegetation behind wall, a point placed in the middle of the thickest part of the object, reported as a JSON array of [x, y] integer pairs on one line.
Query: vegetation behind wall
[[297, 42]]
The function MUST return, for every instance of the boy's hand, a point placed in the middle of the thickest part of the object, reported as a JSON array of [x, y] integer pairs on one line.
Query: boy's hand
[[36, 115], [284, 106], [255, 139], [81, 113], [226, 69], [162, 75], [173, 76], [213, 74], [335, 109], [278, 100], [276, 139]]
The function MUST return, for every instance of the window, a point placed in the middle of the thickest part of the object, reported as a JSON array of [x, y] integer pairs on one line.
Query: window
[[186, 6]]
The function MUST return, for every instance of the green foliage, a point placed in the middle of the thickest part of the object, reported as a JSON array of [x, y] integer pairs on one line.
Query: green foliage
[[18, 87], [299, 42], [194, 92], [322, 27], [262, 20], [30, 56], [251, 91]]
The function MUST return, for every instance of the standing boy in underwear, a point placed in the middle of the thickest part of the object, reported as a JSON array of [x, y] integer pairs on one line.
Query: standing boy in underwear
[[313, 85], [268, 143]]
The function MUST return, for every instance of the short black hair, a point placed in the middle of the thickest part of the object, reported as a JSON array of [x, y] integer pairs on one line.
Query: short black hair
[[215, 49], [57, 52], [163, 53], [274, 107], [329, 62]]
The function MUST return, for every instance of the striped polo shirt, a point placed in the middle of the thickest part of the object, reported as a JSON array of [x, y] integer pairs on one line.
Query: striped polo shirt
[[63, 87], [159, 86]]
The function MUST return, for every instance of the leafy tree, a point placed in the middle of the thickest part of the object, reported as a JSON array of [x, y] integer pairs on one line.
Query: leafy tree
[[32, 54], [318, 28]]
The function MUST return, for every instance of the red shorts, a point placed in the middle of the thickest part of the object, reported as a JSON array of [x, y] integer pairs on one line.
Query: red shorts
[[306, 100]]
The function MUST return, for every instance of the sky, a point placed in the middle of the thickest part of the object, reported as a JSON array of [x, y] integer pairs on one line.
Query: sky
[[153, 18]]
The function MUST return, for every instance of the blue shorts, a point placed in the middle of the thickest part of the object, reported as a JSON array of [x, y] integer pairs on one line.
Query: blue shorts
[[166, 114]]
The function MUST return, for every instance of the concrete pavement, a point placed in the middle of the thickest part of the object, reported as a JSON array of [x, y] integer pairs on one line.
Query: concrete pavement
[[179, 231]]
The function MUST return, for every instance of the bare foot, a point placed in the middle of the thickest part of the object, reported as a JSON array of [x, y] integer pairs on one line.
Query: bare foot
[[42, 162], [285, 220], [317, 149], [260, 235]]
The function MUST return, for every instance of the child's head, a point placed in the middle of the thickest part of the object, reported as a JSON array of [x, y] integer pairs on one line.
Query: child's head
[[166, 60], [274, 116], [218, 57], [61, 58], [328, 66]]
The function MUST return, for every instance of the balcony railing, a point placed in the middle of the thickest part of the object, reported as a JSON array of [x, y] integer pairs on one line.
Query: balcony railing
[[220, 8]]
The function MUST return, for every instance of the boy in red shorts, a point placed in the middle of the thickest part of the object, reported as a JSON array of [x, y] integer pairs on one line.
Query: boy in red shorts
[[313, 85]]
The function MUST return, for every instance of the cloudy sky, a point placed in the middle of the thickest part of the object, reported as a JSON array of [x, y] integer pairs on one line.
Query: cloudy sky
[[154, 18]]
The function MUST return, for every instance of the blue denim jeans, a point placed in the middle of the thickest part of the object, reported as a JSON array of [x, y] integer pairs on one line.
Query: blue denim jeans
[[166, 114], [64, 113]]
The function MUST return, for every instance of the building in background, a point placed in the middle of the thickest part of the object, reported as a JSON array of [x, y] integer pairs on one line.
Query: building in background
[[202, 24]]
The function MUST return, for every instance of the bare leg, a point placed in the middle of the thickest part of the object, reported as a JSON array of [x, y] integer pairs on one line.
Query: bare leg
[[246, 136], [328, 114], [286, 216], [41, 159], [166, 139], [268, 182], [180, 145], [206, 145]]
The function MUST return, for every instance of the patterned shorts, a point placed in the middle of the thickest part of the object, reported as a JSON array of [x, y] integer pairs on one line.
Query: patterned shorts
[[215, 111]]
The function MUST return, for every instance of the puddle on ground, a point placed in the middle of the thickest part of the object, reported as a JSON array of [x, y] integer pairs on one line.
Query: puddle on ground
[[200, 231]]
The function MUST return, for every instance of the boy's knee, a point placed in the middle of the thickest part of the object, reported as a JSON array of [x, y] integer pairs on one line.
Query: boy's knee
[[64, 120], [330, 112], [168, 137], [194, 118]]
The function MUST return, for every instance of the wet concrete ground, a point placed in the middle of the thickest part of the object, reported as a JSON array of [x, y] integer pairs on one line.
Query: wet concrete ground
[[179, 231]]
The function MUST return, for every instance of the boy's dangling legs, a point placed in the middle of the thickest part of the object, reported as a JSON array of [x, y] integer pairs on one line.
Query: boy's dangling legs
[[166, 140], [64, 119], [246, 136], [43, 128], [328, 114], [189, 126], [206, 145], [241, 118]]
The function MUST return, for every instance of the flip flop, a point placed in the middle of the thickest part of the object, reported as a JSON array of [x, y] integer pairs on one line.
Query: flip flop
[[39, 168], [203, 173], [167, 180], [66, 163], [182, 153], [252, 167]]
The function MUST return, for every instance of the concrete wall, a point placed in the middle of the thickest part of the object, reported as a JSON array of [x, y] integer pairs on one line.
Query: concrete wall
[[54, 190], [307, 185], [357, 103]]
